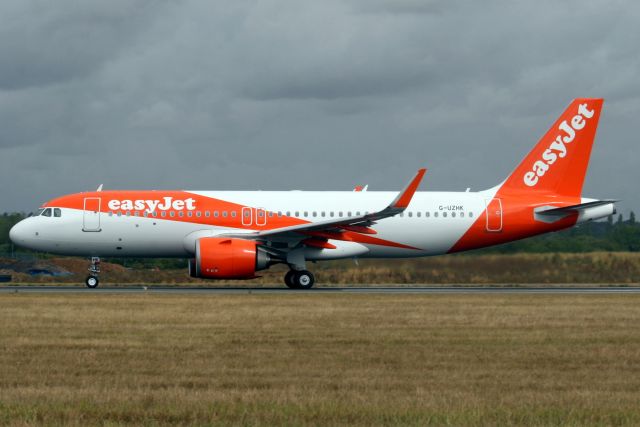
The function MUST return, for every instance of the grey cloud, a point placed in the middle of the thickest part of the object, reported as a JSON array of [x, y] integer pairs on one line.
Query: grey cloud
[[42, 43], [313, 95]]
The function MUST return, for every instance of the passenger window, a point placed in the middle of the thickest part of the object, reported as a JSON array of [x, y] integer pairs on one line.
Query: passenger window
[[270, 214], [322, 213], [288, 213], [435, 214], [348, 214], [427, 214], [208, 214], [279, 213], [419, 214], [340, 214], [46, 212], [315, 214], [331, 214], [198, 214], [453, 214], [297, 214], [110, 213], [224, 214], [181, 214], [233, 214], [216, 214], [189, 214], [470, 214], [410, 214], [57, 212], [461, 214], [162, 214], [136, 213], [171, 214], [261, 214], [401, 214], [444, 214]]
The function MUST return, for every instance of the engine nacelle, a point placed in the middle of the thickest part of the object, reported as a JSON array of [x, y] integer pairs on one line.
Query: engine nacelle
[[225, 258]]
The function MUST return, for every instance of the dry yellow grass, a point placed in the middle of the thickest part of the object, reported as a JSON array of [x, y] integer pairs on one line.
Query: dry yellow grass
[[313, 359], [594, 268]]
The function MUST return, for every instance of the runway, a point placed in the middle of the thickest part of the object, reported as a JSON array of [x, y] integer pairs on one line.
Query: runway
[[160, 289]]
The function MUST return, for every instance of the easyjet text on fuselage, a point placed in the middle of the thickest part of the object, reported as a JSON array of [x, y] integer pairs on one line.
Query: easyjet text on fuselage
[[167, 203]]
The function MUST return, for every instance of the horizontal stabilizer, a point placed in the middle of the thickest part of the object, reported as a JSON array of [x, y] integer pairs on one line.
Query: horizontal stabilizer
[[574, 208]]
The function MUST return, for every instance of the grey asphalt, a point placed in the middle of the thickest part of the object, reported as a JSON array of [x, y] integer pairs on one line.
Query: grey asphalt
[[159, 289]]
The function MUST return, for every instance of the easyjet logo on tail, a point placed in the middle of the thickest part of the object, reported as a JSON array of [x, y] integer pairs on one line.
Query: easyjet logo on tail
[[151, 205], [558, 148]]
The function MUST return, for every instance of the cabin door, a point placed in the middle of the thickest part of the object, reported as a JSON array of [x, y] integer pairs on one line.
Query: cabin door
[[91, 216], [494, 215]]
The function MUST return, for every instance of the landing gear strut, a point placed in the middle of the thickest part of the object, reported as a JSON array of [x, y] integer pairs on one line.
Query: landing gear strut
[[92, 280], [302, 279]]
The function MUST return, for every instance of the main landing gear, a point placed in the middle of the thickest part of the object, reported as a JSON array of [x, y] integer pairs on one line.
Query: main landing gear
[[302, 279], [92, 280]]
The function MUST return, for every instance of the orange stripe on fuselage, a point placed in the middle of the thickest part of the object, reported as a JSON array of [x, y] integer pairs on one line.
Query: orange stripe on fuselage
[[201, 204], [518, 222], [350, 236]]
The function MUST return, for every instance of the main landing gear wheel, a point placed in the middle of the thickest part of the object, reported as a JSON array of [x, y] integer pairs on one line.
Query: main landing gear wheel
[[92, 282], [288, 279], [303, 279]]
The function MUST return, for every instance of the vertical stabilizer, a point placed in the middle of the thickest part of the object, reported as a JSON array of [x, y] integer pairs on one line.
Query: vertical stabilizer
[[558, 163]]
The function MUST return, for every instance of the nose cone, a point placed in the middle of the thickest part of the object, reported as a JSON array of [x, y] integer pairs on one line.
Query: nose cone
[[17, 234]]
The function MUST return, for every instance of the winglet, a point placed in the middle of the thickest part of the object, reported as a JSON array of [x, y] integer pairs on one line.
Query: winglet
[[404, 197]]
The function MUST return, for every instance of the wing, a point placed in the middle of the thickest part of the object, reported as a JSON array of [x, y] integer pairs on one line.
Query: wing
[[359, 224]]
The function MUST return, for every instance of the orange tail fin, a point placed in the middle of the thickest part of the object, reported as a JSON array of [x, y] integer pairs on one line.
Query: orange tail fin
[[558, 163]]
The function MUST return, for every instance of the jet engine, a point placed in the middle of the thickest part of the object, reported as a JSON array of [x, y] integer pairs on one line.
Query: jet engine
[[227, 258]]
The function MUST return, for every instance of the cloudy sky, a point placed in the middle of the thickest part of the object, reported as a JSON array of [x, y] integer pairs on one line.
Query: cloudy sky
[[142, 94]]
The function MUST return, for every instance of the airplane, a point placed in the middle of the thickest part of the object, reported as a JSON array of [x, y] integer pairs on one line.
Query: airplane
[[236, 234]]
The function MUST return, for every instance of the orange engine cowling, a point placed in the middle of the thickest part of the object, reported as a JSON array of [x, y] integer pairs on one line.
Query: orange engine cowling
[[225, 258]]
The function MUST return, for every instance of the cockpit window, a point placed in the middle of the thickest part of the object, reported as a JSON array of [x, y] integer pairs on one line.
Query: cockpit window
[[46, 212], [38, 212], [57, 212]]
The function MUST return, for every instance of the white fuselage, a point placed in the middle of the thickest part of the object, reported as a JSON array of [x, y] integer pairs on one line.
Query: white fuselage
[[431, 225]]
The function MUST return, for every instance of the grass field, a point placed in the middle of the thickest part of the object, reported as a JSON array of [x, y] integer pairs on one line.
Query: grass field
[[320, 359]]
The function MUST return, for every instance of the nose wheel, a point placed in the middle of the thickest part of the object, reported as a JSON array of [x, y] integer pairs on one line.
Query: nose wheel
[[92, 280], [302, 279]]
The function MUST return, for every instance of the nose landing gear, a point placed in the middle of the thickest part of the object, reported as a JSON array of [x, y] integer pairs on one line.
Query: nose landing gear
[[92, 280]]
